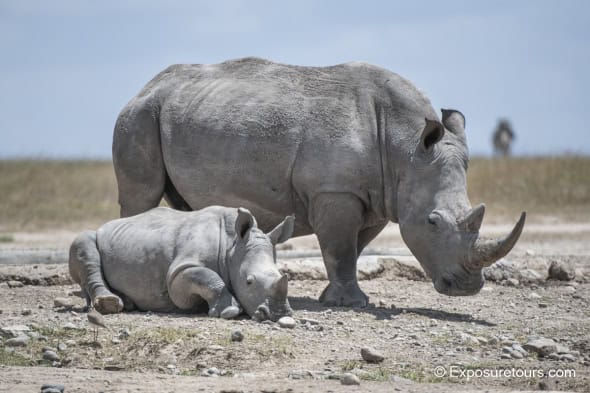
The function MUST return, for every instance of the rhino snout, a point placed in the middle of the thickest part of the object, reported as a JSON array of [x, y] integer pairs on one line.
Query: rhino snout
[[262, 313], [452, 286]]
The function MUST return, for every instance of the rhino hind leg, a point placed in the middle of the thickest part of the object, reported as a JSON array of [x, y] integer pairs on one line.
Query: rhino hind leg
[[192, 285], [85, 269], [137, 159], [337, 219]]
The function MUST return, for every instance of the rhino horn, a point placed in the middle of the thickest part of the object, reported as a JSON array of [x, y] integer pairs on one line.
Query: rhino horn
[[485, 252], [472, 221], [279, 288]]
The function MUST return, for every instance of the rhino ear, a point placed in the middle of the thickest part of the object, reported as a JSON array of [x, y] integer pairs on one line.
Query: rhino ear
[[433, 132], [244, 222], [454, 121], [283, 231]]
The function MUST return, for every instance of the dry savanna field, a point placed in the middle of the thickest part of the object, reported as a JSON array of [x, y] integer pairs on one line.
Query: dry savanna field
[[526, 330]]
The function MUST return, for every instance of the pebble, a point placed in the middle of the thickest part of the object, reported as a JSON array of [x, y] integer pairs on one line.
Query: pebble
[[19, 341], [26, 311], [14, 331], [210, 372], [350, 379], [124, 334], [561, 271], [115, 340], [505, 356], [237, 336], [568, 356], [516, 354], [62, 347], [371, 355], [63, 302], [519, 348], [287, 322], [52, 388], [15, 284], [541, 346], [51, 356], [69, 326]]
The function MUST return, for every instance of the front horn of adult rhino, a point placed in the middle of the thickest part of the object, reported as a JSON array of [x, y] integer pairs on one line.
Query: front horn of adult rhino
[[485, 252]]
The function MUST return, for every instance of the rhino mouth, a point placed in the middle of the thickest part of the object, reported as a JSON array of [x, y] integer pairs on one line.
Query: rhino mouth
[[454, 286], [264, 313]]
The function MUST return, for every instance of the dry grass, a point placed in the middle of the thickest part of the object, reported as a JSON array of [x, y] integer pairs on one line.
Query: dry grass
[[543, 186], [41, 195]]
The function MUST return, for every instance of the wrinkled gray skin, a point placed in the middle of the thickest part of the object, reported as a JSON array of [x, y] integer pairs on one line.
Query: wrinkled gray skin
[[347, 148], [165, 260]]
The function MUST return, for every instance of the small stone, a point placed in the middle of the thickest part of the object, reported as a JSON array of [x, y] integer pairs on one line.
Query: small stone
[[19, 341], [71, 342], [505, 356], [115, 340], [541, 346], [553, 356], [492, 341], [568, 357], [51, 356], [26, 311], [534, 295], [513, 282], [543, 305], [69, 326], [350, 379], [63, 302], [215, 347], [15, 284], [124, 334], [516, 354], [482, 340], [561, 271], [52, 388], [237, 336], [287, 322], [519, 348], [371, 355], [61, 347], [14, 331]]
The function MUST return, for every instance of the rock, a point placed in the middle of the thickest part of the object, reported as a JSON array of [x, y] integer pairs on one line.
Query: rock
[[124, 334], [51, 356], [505, 356], [512, 282], [51, 388], [541, 346], [69, 326], [63, 302], [210, 372], [14, 331], [406, 267], [71, 342], [530, 276], [519, 348], [568, 357], [237, 336], [562, 271], [115, 341], [15, 284], [543, 305], [371, 355], [62, 347], [287, 322], [350, 379], [215, 348], [482, 340], [561, 349], [516, 355], [19, 341], [26, 311]]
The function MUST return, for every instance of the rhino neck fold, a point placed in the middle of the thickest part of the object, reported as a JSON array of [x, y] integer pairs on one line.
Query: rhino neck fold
[[388, 181], [224, 255]]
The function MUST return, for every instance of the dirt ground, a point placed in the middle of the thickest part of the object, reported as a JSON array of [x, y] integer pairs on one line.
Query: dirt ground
[[430, 342]]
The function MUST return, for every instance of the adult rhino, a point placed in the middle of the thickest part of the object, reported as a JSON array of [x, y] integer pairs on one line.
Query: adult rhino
[[347, 148]]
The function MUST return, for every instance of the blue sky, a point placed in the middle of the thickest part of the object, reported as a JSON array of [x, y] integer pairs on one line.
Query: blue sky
[[68, 67]]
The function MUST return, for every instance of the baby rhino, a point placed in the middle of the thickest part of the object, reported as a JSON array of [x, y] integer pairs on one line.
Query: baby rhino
[[166, 260]]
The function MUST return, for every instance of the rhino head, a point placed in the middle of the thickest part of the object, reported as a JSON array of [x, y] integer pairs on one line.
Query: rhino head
[[255, 278], [436, 219]]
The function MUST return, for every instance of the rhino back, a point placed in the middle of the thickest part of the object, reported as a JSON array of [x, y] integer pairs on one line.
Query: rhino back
[[137, 252], [269, 136]]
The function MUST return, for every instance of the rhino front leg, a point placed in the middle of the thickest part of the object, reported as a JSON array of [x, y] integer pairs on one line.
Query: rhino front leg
[[85, 269], [337, 219], [193, 284]]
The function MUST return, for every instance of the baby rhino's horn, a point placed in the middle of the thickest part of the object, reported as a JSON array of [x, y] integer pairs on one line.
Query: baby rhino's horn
[[279, 288]]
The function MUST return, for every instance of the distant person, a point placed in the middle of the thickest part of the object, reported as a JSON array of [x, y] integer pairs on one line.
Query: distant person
[[502, 138]]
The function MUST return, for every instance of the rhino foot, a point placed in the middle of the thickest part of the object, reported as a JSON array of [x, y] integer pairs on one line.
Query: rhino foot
[[226, 306], [344, 295], [108, 304]]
